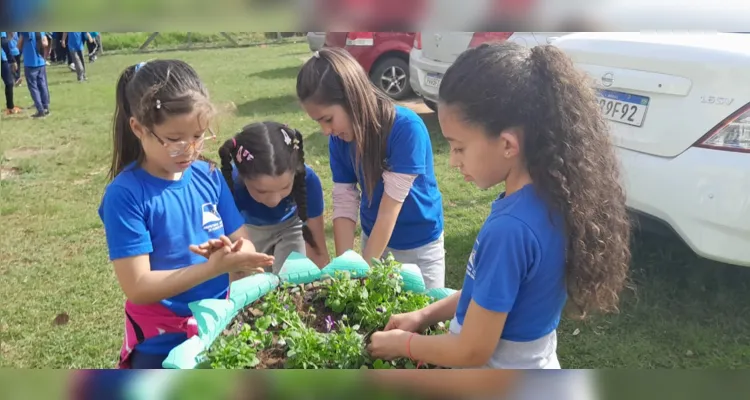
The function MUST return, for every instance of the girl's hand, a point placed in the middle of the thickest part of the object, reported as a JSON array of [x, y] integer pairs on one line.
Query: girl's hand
[[389, 345], [209, 247], [233, 259], [410, 322]]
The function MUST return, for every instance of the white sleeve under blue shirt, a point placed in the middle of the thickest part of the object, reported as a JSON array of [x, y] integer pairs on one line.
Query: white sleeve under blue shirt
[[143, 214], [408, 151], [258, 214], [517, 266]]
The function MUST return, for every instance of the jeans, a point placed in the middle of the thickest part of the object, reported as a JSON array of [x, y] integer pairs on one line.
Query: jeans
[[139, 360], [36, 80]]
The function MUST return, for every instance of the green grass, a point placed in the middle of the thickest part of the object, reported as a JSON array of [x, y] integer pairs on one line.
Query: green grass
[[685, 312], [132, 41]]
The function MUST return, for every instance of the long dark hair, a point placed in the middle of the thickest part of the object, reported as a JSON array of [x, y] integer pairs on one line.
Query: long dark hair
[[178, 90], [567, 150], [334, 77], [275, 149]]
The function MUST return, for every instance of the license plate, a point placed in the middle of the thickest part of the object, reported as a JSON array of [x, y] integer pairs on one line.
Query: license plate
[[433, 80], [624, 108]]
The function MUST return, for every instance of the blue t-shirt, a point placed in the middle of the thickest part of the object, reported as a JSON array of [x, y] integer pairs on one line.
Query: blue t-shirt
[[259, 214], [14, 45], [75, 41], [31, 58], [517, 266], [408, 151], [143, 214]]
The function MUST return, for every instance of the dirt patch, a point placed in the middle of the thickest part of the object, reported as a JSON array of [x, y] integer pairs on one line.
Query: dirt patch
[[416, 105], [25, 152], [8, 172]]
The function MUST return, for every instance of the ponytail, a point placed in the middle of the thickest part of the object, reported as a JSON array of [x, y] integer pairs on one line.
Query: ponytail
[[127, 147], [225, 155], [299, 191]]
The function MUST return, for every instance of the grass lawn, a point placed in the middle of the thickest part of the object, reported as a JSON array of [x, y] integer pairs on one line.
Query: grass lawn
[[63, 306]]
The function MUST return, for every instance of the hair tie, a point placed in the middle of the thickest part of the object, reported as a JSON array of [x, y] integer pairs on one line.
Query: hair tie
[[139, 65], [234, 142], [158, 104], [316, 54]]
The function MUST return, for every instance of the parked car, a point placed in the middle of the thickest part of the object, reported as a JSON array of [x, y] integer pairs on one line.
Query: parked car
[[680, 117], [433, 52], [316, 40], [383, 55]]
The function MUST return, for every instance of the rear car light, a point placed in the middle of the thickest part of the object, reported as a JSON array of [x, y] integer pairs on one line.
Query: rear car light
[[360, 39], [732, 134], [485, 37], [418, 41]]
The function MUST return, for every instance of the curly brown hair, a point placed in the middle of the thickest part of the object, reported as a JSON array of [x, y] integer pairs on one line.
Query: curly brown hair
[[567, 151]]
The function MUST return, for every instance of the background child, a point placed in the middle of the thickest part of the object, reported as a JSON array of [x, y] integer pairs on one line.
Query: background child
[[280, 197], [164, 198], [526, 118], [74, 42], [7, 69], [94, 45], [15, 54], [389, 146], [32, 46]]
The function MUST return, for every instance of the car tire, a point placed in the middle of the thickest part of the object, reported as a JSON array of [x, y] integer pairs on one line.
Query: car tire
[[391, 75], [431, 105]]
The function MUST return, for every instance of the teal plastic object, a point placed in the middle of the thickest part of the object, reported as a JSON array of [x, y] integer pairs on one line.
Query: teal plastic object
[[440, 293], [350, 262], [213, 316], [299, 270]]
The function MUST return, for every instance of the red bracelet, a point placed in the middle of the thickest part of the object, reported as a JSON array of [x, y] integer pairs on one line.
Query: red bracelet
[[408, 349]]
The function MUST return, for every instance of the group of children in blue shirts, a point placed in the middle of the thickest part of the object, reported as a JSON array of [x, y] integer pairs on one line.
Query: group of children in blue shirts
[[180, 227], [31, 49]]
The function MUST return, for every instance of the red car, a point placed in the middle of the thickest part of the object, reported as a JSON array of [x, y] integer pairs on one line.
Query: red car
[[383, 55]]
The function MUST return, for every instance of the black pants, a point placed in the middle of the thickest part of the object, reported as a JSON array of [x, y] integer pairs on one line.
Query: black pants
[[9, 82], [19, 63]]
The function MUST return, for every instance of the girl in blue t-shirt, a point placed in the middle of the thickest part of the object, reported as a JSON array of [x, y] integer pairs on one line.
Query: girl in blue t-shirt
[[165, 210], [382, 151], [525, 118], [279, 196]]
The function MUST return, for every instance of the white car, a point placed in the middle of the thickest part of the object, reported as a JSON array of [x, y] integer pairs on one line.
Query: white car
[[434, 52], [679, 110]]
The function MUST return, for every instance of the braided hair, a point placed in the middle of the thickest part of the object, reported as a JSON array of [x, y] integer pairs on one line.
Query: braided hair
[[272, 149]]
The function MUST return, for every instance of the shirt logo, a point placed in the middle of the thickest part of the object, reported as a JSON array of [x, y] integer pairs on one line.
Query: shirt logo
[[211, 218], [470, 268]]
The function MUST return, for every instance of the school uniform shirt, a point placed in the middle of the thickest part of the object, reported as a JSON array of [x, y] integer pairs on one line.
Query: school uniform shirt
[[75, 41], [517, 266], [143, 214], [408, 151], [31, 58], [258, 214], [14, 45]]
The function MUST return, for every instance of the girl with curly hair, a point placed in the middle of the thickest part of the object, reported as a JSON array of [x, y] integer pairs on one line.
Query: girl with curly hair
[[525, 118]]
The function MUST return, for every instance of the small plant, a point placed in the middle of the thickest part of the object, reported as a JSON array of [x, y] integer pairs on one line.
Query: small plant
[[325, 325]]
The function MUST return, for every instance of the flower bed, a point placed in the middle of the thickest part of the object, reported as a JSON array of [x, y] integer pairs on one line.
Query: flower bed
[[306, 317]]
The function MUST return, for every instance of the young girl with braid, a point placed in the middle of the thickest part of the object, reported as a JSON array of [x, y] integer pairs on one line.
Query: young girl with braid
[[279, 196]]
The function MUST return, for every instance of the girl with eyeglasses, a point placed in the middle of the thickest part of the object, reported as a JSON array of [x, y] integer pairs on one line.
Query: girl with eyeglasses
[[173, 231]]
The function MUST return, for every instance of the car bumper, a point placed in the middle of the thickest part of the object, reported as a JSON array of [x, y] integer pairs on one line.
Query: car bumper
[[419, 68], [316, 40], [702, 194]]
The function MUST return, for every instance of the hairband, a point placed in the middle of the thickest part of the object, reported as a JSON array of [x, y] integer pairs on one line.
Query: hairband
[[243, 153], [234, 142]]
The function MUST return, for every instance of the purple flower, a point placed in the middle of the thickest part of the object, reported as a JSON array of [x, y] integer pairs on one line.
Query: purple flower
[[380, 309], [286, 306], [330, 323]]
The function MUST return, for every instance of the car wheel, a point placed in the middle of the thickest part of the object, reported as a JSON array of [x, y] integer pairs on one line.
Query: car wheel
[[431, 105], [392, 76]]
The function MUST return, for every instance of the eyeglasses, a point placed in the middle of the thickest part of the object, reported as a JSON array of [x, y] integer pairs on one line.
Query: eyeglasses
[[176, 149]]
